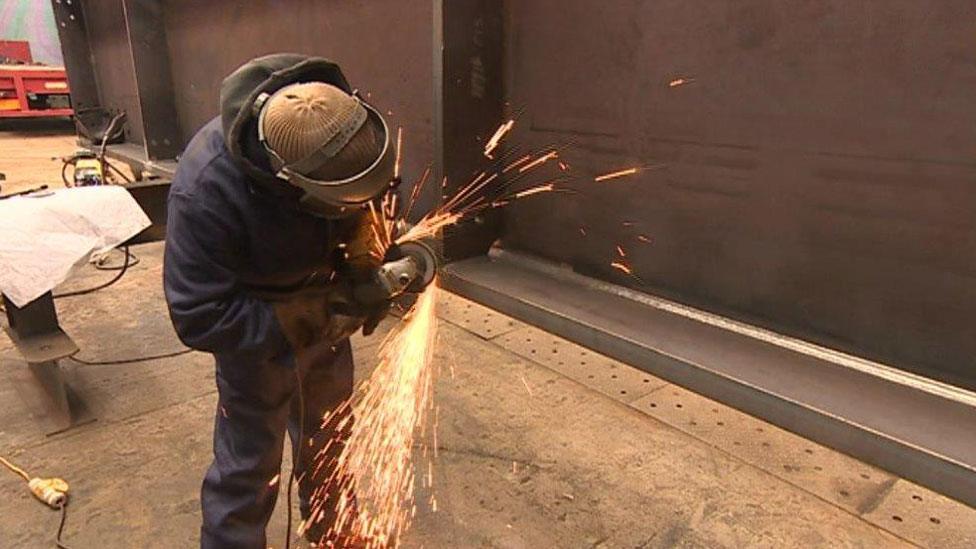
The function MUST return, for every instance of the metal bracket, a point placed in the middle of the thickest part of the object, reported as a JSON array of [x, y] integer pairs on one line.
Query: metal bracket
[[37, 336]]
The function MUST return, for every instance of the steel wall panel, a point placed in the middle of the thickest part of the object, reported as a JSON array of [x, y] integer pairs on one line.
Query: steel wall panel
[[383, 46], [111, 59], [819, 171]]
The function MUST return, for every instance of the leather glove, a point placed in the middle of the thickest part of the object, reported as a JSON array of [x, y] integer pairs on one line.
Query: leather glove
[[325, 314]]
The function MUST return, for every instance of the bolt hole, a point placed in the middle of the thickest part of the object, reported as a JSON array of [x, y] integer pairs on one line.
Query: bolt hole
[[653, 405], [720, 423], [865, 476], [935, 520], [759, 429], [809, 451], [896, 518], [844, 493], [590, 376], [817, 468], [765, 445], [736, 443], [613, 376], [646, 380], [692, 422], [678, 406], [916, 497], [623, 392]]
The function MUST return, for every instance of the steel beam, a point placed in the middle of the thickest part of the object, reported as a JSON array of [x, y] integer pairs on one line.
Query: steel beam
[[37, 336], [469, 103], [146, 34], [916, 428], [76, 50]]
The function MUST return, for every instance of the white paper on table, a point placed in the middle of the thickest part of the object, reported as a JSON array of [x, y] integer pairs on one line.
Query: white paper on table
[[43, 237]]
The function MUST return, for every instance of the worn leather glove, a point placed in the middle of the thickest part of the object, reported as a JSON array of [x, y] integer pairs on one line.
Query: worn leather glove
[[324, 314]]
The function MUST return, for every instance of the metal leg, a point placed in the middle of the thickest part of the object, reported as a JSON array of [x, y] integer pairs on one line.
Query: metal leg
[[36, 334]]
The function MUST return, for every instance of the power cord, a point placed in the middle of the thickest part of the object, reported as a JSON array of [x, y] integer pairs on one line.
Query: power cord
[[52, 491], [116, 278], [129, 257], [64, 518], [114, 362]]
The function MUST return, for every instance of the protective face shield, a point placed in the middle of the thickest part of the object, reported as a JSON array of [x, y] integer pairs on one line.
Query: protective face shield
[[317, 139]]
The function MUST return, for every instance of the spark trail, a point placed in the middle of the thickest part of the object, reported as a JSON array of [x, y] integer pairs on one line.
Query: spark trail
[[366, 492], [373, 476]]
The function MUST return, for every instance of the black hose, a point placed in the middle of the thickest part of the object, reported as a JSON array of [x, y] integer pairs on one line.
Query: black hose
[[117, 361], [64, 517], [116, 278]]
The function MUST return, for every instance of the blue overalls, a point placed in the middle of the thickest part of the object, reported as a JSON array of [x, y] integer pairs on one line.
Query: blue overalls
[[225, 237]]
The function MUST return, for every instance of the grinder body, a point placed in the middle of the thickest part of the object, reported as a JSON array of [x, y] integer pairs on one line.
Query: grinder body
[[411, 272]]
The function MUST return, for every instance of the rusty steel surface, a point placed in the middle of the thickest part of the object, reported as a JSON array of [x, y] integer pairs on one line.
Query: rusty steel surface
[[384, 48], [111, 61], [475, 318], [914, 513], [151, 70], [818, 161], [902, 423]]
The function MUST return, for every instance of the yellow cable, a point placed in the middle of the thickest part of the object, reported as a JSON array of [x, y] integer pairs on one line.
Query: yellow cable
[[15, 469]]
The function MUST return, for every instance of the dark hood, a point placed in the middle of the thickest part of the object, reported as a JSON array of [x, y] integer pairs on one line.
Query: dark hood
[[239, 91]]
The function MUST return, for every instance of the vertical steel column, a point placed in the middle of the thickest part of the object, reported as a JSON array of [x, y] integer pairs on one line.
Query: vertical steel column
[[146, 33], [73, 35], [469, 104]]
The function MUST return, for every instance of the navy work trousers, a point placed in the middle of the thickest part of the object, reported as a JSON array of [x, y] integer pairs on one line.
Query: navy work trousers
[[257, 404]]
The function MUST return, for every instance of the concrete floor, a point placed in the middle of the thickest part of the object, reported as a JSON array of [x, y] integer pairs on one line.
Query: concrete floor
[[530, 454], [30, 152], [541, 444]]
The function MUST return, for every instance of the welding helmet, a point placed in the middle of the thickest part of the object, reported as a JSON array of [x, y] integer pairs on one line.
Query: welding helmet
[[330, 144]]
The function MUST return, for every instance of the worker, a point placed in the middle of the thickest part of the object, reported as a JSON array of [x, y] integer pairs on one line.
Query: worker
[[264, 247]]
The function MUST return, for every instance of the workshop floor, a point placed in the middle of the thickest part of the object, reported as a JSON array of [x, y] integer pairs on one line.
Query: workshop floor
[[541, 444], [30, 152]]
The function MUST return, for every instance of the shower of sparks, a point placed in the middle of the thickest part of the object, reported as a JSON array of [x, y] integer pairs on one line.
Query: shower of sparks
[[644, 239], [399, 154], [415, 192], [680, 82], [527, 388], [615, 175], [497, 137], [551, 155], [517, 163], [620, 252], [535, 190], [373, 476], [365, 475], [623, 267], [274, 480]]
